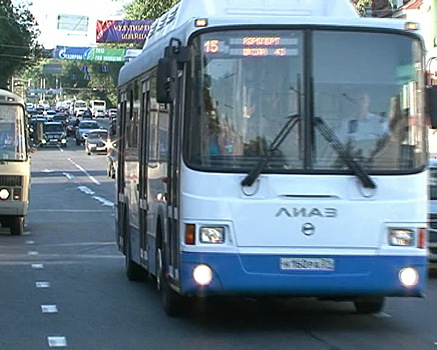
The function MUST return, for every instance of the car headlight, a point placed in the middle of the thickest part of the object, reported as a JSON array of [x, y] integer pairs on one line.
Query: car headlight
[[401, 237], [212, 235]]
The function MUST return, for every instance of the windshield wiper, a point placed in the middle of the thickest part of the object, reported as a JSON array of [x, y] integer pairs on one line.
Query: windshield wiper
[[280, 137], [345, 155]]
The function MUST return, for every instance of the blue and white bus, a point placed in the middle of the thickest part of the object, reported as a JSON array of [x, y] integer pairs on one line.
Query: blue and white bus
[[275, 149]]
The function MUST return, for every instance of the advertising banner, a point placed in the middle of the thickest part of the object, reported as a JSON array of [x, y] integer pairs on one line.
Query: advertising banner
[[89, 54], [122, 31]]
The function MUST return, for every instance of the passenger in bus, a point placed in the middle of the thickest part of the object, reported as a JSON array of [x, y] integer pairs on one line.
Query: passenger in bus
[[7, 136], [365, 132]]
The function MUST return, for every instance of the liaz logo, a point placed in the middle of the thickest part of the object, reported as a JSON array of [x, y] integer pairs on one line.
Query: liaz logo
[[307, 212]]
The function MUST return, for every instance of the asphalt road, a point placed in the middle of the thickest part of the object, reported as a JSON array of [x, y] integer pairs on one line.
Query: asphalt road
[[63, 285]]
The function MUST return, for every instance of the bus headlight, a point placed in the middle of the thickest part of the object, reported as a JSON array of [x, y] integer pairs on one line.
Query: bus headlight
[[212, 235], [409, 277], [202, 274], [4, 194], [401, 237]]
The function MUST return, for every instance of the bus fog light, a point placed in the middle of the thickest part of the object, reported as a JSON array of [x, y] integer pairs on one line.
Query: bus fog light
[[409, 277], [4, 194], [401, 237], [212, 235], [202, 274]]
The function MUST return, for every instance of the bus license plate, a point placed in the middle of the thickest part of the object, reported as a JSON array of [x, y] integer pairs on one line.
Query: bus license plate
[[307, 264]]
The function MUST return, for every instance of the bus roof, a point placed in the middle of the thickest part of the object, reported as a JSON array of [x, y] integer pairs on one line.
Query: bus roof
[[7, 96], [339, 12], [179, 22]]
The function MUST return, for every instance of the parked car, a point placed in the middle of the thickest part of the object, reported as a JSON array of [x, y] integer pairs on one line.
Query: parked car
[[54, 134], [432, 230], [84, 128], [97, 142]]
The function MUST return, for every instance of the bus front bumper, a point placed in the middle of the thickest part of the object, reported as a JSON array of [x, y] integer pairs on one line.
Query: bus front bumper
[[263, 275], [13, 208]]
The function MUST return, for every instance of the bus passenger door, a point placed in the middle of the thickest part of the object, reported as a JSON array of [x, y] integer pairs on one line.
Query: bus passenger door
[[120, 184], [174, 158], [143, 172]]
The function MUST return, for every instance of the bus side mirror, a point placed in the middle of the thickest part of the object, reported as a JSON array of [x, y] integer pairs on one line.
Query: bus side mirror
[[166, 80], [431, 102]]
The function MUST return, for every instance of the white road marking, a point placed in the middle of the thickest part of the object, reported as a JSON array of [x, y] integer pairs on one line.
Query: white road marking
[[86, 190], [42, 284], [32, 253], [49, 309], [84, 171], [47, 170], [57, 342], [104, 201], [30, 242], [37, 266], [68, 176]]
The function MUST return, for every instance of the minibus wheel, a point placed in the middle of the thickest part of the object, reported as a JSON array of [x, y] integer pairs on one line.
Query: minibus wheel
[[369, 305], [16, 225]]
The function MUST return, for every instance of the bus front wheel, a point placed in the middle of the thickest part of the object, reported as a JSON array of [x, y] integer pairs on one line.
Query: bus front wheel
[[369, 305], [171, 300]]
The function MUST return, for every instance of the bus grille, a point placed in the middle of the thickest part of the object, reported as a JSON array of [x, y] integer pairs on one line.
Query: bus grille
[[11, 180]]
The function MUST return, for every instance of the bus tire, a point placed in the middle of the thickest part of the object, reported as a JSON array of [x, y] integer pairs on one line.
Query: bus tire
[[171, 300], [369, 305], [16, 225], [134, 272]]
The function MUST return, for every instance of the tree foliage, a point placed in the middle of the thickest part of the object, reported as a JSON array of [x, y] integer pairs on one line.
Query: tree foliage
[[18, 40], [148, 9], [375, 8], [83, 80]]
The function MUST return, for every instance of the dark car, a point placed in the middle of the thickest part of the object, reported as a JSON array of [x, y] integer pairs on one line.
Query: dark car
[[97, 142], [87, 114], [84, 127], [54, 134], [61, 117], [71, 126]]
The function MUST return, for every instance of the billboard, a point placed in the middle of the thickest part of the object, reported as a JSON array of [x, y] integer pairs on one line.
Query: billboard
[[89, 54], [122, 31]]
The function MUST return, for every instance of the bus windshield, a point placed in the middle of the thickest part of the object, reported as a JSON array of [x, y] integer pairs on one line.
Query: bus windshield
[[247, 84], [12, 133]]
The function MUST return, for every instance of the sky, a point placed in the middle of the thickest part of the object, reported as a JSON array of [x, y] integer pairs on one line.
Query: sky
[[46, 13]]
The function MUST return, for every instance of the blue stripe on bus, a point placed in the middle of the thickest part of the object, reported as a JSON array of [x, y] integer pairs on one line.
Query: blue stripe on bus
[[261, 274]]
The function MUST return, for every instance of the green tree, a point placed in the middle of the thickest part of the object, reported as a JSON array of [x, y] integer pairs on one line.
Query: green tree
[[377, 8], [148, 9], [18, 40]]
